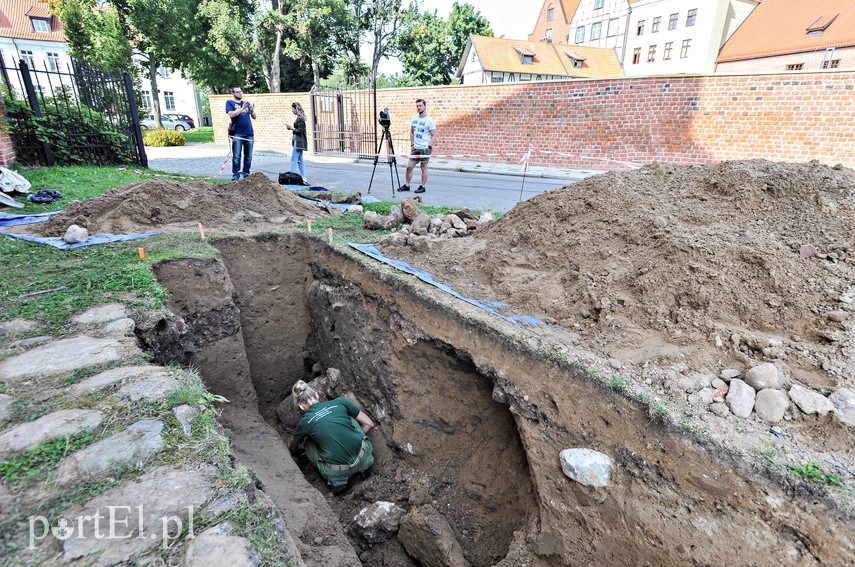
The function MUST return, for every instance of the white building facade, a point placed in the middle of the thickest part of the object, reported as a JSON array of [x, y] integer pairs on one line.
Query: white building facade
[[30, 33], [176, 94], [600, 23], [670, 37]]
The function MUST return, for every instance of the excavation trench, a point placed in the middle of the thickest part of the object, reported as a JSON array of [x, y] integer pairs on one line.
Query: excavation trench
[[471, 420]]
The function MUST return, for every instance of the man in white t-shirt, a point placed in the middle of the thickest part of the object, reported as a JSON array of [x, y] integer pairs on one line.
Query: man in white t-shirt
[[422, 138]]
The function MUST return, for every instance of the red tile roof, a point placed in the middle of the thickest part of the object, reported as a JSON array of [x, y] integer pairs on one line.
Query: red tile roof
[[16, 20], [780, 27]]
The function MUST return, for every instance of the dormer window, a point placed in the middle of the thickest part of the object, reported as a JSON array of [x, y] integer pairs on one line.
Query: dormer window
[[526, 56], [550, 14], [820, 25], [576, 61], [40, 25]]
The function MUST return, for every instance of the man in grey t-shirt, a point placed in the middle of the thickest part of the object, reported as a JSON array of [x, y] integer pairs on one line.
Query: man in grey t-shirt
[[422, 139]]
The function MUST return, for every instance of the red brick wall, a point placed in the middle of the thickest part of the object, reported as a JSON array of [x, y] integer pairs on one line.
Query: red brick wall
[[600, 124], [7, 149]]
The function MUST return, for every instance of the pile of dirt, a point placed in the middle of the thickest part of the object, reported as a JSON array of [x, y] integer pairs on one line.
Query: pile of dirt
[[693, 268], [168, 205]]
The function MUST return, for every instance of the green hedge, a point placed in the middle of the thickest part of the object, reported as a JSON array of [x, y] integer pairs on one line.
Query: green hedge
[[162, 137]]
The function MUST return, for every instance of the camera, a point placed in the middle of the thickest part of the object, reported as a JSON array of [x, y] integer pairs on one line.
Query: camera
[[385, 120]]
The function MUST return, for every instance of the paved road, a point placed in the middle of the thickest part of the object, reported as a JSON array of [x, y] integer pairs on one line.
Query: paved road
[[466, 184]]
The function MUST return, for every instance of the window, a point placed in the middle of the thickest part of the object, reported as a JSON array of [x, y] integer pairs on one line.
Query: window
[[549, 35], [598, 4], [163, 72], [640, 29], [27, 57], [146, 100], [53, 61], [41, 25], [596, 30], [833, 64], [636, 55], [474, 56], [795, 67], [525, 77], [684, 50], [651, 54], [820, 25], [580, 34], [550, 14], [655, 27], [527, 59], [497, 79], [672, 21], [613, 27], [169, 100], [666, 53], [690, 17]]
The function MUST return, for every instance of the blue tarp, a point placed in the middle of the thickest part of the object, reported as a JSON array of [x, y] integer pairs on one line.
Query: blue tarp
[[94, 239], [305, 188], [7, 219], [489, 307]]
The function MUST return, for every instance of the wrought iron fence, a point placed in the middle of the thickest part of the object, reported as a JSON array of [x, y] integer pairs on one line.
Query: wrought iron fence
[[76, 115], [345, 123]]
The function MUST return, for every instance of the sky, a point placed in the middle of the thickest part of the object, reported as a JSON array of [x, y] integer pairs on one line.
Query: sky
[[509, 18]]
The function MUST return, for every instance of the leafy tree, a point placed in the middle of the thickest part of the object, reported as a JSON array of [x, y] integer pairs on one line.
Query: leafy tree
[[382, 20], [225, 49], [94, 35], [431, 48], [463, 21], [319, 29], [426, 49]]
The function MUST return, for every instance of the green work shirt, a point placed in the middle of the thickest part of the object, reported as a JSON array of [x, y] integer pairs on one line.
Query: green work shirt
[[333, 428]]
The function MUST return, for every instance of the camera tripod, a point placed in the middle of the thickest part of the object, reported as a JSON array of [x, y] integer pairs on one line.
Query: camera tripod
[[390, 158]]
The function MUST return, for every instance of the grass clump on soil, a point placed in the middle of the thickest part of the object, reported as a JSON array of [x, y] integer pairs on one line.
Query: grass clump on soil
[[812, 472], [35, 463], [255, 522]]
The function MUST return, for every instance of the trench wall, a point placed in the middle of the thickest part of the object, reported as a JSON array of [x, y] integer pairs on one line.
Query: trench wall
[[673, 499], [604, 124]]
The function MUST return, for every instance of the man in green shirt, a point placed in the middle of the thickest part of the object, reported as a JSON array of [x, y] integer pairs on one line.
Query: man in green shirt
[[333, 434]]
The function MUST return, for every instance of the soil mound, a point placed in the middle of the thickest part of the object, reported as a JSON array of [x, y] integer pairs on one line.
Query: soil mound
[[738, 261], [168, 205]]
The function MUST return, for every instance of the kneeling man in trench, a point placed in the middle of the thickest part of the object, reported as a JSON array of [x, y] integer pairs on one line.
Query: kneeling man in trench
[[333, 434]]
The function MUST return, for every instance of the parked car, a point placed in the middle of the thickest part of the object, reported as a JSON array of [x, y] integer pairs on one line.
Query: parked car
[[180, 118], [149, 123]]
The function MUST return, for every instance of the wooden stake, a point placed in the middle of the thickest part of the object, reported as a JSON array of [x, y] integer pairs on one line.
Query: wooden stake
[[201, 232], [309, 225], [329, 235], [141, 252]]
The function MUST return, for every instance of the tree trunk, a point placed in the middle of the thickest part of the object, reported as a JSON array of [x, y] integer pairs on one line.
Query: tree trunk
[[316, 69], [155, 96], [275, 81]]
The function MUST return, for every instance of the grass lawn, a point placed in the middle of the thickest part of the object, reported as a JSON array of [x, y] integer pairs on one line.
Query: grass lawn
[[204, 134]]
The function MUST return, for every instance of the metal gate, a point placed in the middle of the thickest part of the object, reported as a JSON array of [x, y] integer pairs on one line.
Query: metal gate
[[343, 122], [79, 115]]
